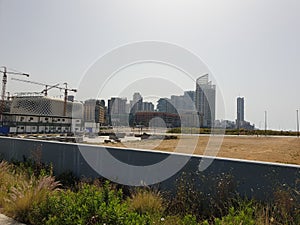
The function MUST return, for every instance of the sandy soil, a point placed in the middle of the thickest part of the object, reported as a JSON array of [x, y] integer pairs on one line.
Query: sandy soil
[[270, 149]]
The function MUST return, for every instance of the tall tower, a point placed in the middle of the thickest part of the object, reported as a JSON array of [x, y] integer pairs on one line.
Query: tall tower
[[116, 110], [205, 101], [137, 102], [89, 108], [240, 111]]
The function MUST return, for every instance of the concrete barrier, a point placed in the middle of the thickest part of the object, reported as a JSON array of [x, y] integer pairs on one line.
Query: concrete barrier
[[251, 178]]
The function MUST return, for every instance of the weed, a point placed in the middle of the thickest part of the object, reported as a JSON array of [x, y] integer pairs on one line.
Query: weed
[[19, 200], [145, 201]]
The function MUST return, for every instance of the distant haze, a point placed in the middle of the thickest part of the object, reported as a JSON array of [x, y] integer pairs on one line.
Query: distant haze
[[251, 47]]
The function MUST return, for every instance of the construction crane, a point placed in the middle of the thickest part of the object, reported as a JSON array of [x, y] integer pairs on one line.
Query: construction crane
[[4, 82], [8, 96], [47, 87], [66, 97]]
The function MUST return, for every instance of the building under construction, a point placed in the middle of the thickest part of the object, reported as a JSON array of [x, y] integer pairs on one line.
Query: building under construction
[[35, 112], [41, 114]]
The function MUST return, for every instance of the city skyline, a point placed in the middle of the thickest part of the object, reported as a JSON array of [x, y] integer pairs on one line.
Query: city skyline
[[256, 57], [127, 103]]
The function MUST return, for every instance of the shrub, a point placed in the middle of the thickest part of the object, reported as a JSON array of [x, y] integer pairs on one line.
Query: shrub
[[213, 200], [33, 168], [286, 206], [68, 180], [34, 198], [240, 216], [21, 198], [146, 202], [176, 220], [90, 205]]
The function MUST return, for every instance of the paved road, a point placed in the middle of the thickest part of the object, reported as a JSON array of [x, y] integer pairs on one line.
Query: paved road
[[4, 220]]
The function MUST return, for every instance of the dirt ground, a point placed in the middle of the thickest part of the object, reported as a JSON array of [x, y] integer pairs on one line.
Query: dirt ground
[[270, 149]]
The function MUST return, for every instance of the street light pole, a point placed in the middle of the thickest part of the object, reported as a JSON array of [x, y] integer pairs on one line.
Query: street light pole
[[265, 123], [297, 111]]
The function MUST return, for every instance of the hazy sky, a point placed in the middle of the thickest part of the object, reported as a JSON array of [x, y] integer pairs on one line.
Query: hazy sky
[[251, 47]]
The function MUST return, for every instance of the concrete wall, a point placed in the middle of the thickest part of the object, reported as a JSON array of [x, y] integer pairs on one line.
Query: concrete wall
[[253, 179]]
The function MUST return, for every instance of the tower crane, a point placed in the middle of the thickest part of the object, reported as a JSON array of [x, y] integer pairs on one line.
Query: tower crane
[[47, 87], [66, 97], [4, 82], [8, 96]]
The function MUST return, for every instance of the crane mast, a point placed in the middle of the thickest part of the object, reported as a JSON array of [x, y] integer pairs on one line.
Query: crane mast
[[66, 97], [4, 83]]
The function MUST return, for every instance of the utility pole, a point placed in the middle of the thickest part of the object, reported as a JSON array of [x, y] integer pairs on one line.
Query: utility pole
[[265, 123], [297, 111]]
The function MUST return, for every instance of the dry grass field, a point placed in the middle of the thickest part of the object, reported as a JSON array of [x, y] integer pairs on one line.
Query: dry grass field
[[269, 149]]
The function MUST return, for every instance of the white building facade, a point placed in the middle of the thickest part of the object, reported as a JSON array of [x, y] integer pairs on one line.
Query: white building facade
[[40, 114]]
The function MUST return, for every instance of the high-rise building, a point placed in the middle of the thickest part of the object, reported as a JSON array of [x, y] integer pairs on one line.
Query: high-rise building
[[94, 111], [184, 103], [240, 122], [136, 106], [137, 103], [148, 107], [165, 105], [100, 112], [89, 110], [191, 95], [116, 110], [240, 110], [117, 105], [205, 101]]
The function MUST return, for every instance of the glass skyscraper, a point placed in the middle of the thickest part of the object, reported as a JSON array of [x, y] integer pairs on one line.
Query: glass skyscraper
[[205, 101]]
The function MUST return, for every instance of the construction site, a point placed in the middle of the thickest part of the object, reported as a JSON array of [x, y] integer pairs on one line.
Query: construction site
[[36, 112]]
